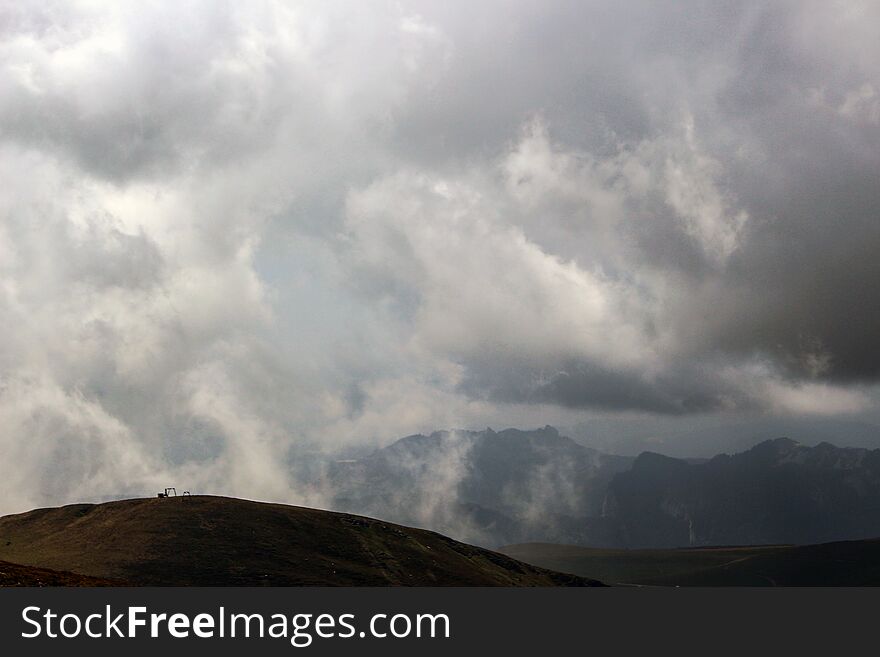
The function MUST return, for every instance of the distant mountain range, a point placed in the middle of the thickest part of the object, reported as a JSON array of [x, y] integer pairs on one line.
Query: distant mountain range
[[776, 492], [485, 487], [496, 488]]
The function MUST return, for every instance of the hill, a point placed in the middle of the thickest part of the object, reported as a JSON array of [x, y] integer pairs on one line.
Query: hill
[[14, 574], [843, 563], [205, 540]]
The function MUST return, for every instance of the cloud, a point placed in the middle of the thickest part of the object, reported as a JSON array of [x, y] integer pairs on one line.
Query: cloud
[[481, 283], [478, 283], [65, 446], [231, 234]]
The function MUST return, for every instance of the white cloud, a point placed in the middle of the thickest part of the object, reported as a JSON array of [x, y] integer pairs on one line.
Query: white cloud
[[483, 287], [862, 104], [815, 399]]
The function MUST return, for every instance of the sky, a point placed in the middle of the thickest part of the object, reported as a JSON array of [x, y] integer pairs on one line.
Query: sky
[[234, 234]]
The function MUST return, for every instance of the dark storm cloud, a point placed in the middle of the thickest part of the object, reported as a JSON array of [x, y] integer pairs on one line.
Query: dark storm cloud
[[784, 97], [579, 386]]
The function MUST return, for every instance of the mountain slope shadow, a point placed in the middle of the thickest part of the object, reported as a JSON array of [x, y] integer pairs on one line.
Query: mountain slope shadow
[[842, 563]]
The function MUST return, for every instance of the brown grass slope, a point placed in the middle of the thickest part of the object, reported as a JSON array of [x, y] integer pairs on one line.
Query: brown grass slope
[[14, 574], [212, 541]]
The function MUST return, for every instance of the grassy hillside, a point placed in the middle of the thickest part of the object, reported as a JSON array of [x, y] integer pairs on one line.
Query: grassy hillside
[[204, 540], [845, 563], [14, 574]]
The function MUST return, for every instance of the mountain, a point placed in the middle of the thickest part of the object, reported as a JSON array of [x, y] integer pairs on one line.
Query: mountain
[[496, 488], [845, 563], [779, 491], [205, 540], [485, 487]]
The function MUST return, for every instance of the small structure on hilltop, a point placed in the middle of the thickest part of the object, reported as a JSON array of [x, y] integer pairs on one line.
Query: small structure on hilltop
[[169, 492]]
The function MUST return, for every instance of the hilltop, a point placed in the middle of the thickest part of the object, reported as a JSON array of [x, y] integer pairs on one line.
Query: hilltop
[[206, 540]]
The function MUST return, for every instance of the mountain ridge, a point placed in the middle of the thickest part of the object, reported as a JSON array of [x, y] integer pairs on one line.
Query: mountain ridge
[[779, 491], [486, 487], [514, 486]]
